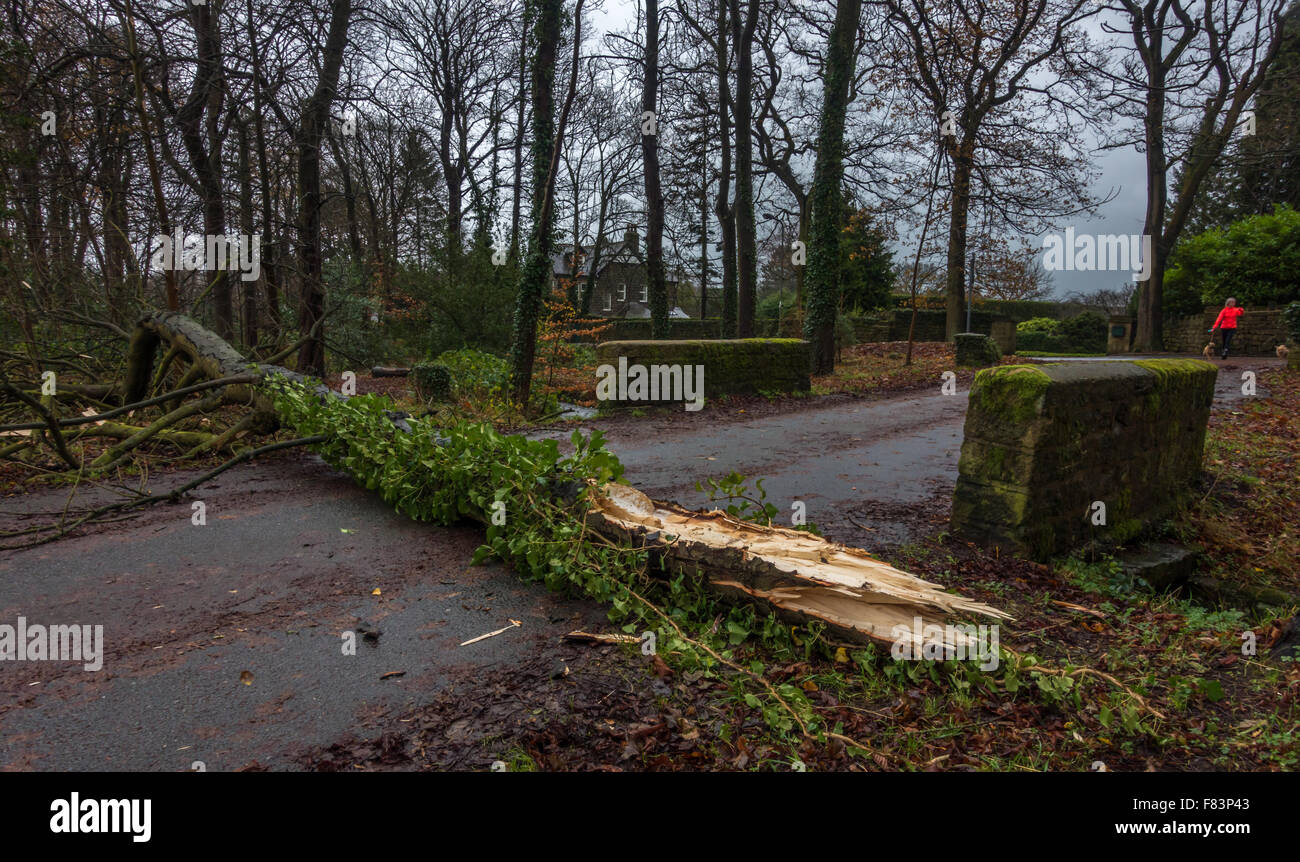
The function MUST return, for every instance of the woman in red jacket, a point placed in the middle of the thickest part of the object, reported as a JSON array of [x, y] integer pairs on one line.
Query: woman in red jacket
[[1226, 322]]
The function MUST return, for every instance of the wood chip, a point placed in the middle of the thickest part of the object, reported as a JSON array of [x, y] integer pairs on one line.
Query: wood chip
[[513, 624], [595, 638]]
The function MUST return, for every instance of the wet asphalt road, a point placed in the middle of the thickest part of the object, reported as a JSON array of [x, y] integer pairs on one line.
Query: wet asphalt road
[[223, 642]]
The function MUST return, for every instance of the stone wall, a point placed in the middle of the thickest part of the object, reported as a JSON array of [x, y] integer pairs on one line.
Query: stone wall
[[893, 324], [731, 366], [1259, 332], [1044, 443]]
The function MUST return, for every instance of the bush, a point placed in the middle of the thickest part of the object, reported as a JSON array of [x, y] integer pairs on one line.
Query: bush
[[351, 336], [431, 382], [1083, 333], [1086, 331], [1256, 259], [1291, 315], [1042, 342], [976, 350], [1045, 325], [474, 372], [845, 334]]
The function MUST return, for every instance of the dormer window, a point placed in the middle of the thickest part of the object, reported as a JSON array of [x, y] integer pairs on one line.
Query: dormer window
[[622, 293]]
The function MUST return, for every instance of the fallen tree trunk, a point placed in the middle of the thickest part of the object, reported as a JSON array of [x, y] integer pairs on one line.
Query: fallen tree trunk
[[800, 575], [209, 354], [386, 371]]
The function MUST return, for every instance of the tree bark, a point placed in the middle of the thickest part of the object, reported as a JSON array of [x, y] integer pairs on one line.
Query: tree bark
[[962, 166], [657, 289], [746, 231], [536, 271], [828, 176], [723, 208], [311, 357]]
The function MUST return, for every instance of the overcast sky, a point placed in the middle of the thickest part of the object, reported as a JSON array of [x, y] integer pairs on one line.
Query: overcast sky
[[1121, 171]]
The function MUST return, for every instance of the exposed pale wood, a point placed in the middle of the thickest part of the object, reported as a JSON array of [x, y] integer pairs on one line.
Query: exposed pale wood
[[801, 575]]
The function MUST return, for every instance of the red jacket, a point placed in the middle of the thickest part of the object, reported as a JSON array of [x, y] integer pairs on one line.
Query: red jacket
[[1227, 318]]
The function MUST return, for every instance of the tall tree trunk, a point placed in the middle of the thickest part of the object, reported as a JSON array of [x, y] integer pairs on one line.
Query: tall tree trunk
[[704, 229], [173, 297], [516, 205], [828, 176], [532, 281], [657, 289], [268, 255], [746, 231], [723, 208], [349, 198], [311, 356], [199, 120], [962, 166], [248, 289], [1148, 335]]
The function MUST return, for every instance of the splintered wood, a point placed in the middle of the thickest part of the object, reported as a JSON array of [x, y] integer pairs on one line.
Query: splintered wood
[[802, 576]]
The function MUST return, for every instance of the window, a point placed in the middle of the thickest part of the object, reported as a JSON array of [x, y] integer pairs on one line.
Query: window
[[622, 293], [608, 303], [645, 293]]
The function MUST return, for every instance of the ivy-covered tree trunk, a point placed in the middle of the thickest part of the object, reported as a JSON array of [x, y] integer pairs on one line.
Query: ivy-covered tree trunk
[[311, 130], [828, 175], [532, 281], [722, 207], [743, 212], [654, 201]]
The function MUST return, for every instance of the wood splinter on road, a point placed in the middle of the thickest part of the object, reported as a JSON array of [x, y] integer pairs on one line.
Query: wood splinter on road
[[802, 576], [513, 624], [598, 638]]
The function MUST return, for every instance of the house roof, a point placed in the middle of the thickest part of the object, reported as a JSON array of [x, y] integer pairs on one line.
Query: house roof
[[611, 252]]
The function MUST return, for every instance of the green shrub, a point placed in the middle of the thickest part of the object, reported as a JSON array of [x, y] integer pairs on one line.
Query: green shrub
[[1256, 259], [1042, 342], [352, 337], [1291, 315], [474, 372], [432, 382], [845, 334], [976, 350], [1083, 333], [1086, 331], [1045, 325]]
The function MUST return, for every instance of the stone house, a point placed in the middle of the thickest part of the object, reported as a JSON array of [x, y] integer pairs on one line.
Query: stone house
[[621, 281]]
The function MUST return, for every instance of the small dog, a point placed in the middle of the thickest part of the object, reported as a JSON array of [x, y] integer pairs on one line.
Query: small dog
[[1208, 352], [1282, 351]]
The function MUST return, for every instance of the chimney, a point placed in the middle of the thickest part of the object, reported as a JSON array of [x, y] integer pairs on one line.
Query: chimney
[[629, 237]]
